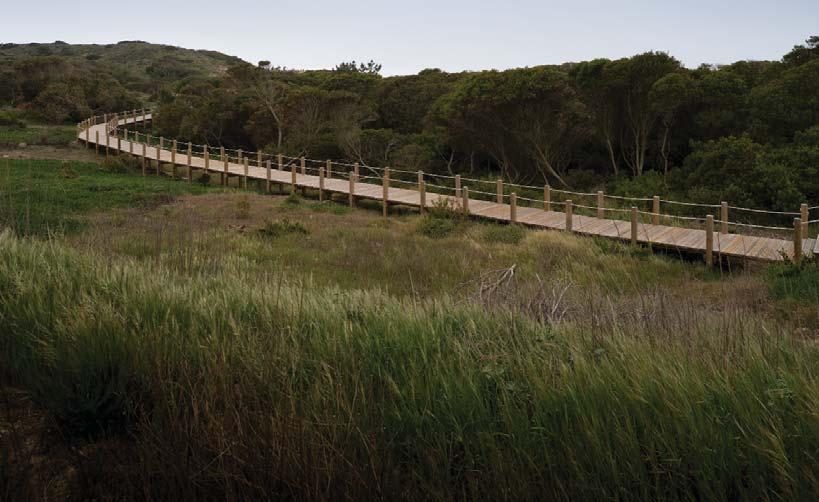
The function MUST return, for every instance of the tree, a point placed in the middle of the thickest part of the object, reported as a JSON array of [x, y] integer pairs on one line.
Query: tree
[[633, 78], [801, 54], [371, 67], [668, 95], [603, 102]]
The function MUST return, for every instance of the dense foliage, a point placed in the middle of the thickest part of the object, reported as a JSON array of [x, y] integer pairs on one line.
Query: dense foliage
[[747, 132]]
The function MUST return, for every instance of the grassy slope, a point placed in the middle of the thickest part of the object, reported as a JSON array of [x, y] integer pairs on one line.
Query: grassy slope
[[246, 364]]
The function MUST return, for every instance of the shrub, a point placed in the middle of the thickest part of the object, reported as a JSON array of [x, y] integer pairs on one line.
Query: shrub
[[7, 119], [798, 281], [280, 228], [505, 234], [435, 228], [243, 208], [123, 164]]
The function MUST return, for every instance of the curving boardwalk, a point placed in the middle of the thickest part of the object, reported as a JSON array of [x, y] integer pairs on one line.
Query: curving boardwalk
[[712, 243]]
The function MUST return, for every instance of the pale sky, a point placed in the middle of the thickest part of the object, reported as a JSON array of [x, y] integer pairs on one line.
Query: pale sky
[[406, 37]]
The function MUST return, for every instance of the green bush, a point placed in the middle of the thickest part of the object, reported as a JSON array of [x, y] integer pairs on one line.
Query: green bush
[[280, 228], [8, 119], [505, 234], [436, 228], [798, 281]]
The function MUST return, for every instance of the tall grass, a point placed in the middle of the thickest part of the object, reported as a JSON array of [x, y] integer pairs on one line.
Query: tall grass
[[238, 386]]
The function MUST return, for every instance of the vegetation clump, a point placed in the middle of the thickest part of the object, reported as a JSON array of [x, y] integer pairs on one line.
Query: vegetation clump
[[282, 227]]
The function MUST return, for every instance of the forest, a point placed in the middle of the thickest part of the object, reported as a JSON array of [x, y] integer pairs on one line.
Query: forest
[[747, 132]]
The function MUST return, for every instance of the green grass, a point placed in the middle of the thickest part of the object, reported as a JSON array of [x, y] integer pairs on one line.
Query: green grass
[[53, 135], [38, 197], [795, 281], [236, 384]]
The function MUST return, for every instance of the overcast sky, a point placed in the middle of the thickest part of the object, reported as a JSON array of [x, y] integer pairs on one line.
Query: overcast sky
[[408, 36]]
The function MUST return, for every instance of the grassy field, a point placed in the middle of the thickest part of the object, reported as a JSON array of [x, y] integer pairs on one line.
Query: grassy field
[[52, 135], [216, 344]]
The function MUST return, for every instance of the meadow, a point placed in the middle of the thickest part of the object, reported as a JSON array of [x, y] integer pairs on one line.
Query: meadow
[[196, 342]]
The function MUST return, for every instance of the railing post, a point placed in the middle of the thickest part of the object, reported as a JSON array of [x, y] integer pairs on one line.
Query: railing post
[[723, 216], [258, 159], [173, 159], [87, 129], [144, 159], [329, 170], [547, 198], [805, 218], [633, 226], [569, 215], [351, 194], [207, 160], [601, 210], [280, 162], [267, 184], [245, 162], [513, 207], [465, 199], [119, 145], [321, 184], [303, 163], [386, 189], [422, 193], [225, 161], [239, 156], [293, 178], [797, 240], [655, 210], [457, 186], [355, 171], [499, 191], [97, 142], [107, 142], [190, 164], [131, 145], [709, 240]]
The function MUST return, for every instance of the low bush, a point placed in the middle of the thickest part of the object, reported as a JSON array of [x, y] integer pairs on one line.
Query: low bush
[[280, 228], [505, 234], [436, 228]]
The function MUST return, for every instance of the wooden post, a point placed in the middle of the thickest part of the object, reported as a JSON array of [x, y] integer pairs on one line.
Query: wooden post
[[131, 146], [466, 200], [303, 165], [329, 171], [355, 171], [107, 143], [385, 183], [190, 166], [569, 215], [723, 216], [293, 178], [158, 152], [244, 177], [601, 209], [119, 145], [258, 159], [280, 161], [267, 184], [173, 159], [87, 129], [513, 207], [797, 240], [207, 159], [225, 161], [655, 210], [805, 218], [709, 240], [321, 184], [499, 191], [633, 226], [457, 186], [547, 198], [352, 189], [97, 142], [144, 159], [422, 193], [239, 156]]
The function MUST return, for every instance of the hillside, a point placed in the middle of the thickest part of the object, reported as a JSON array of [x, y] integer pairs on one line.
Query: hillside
[[59, 82]]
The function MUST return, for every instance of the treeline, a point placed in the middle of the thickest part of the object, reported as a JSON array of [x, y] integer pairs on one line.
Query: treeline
[[645, 124]]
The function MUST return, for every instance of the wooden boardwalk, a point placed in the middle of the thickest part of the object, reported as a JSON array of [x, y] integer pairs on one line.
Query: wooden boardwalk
[[684, 239]]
